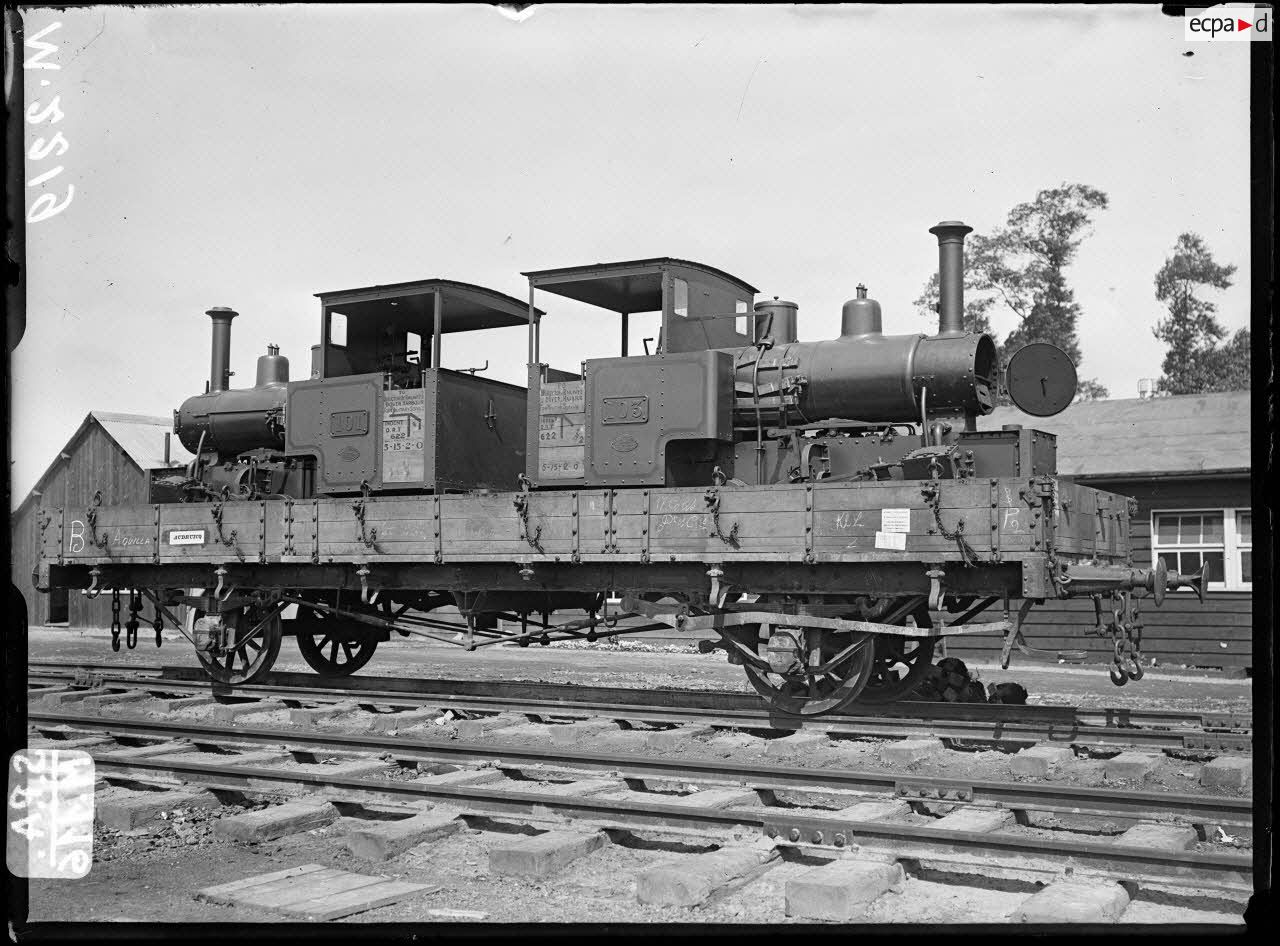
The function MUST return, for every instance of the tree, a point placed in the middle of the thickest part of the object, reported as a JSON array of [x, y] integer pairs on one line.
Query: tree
[[1193, 362], [1022, 265]]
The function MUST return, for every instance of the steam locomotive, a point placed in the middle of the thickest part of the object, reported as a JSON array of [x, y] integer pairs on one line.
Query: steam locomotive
[[828, 509]]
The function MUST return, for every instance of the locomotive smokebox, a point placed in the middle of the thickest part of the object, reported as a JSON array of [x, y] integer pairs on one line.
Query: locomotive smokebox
[[861, 316], [220, 365], [776, 320], [951, 234]]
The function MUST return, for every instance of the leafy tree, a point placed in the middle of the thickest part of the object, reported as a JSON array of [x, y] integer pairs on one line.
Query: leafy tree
[[1022, 267], [1193, 362]]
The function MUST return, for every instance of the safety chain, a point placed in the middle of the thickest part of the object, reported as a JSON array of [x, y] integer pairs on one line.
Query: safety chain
[[131, 625], [1126, 634], [229, 541], [368, 540], [712, 499], [933, 496], [522, 510], [91, 517], [115, 619]]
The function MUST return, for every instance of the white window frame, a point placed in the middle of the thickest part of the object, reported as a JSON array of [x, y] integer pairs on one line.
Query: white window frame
[[1231, 545]]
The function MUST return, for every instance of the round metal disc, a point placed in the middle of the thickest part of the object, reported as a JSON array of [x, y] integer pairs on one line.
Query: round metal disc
[[1041, 379]]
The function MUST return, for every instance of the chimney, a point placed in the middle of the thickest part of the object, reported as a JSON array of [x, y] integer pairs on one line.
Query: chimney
[[951, 234], [220, 366]]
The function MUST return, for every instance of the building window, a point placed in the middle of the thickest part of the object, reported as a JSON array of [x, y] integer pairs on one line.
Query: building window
[[741, 310], [1219, 538]]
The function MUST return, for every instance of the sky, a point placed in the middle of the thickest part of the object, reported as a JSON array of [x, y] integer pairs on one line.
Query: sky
[[251, 157]]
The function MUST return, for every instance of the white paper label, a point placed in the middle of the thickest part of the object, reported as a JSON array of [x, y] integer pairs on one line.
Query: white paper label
[[194, 537], [891, 540], [895, 520]]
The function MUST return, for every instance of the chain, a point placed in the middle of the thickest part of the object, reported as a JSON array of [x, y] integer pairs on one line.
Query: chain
[[115, 619], [131, 625], [934, 497]]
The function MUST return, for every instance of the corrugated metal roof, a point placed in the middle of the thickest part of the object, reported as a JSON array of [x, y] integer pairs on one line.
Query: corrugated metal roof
[[142, 438], [1160, 436]]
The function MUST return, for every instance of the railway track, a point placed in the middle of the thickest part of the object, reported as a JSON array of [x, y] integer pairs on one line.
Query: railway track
[[990, 724], [1013, 828]]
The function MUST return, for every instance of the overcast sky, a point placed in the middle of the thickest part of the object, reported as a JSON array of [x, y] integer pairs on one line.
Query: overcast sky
[[252, 156]]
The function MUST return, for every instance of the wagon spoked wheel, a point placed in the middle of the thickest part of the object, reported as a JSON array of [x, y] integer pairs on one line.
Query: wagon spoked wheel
[[256, 644], [899, 665], [330, 646], [819, 680]]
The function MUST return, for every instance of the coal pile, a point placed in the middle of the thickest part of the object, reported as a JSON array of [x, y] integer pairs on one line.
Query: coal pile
[[950, 681]]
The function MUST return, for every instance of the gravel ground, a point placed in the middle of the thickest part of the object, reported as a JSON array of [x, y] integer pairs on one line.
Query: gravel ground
[[152, 873]]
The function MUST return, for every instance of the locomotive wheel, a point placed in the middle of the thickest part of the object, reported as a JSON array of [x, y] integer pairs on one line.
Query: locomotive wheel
[[330, 647], [255, 654], [800, 692], [900, 664]]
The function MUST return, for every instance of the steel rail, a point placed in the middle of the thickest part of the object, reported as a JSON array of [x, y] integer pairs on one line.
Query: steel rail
[[1061, 799], [1012, 724], [1226, 870]]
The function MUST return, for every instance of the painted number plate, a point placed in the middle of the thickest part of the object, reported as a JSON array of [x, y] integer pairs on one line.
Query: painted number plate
[[348, 423], [625, 410]]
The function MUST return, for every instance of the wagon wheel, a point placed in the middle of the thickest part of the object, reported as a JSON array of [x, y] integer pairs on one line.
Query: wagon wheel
[[827, 688], [330, 646], [257, 644], [899, 665]]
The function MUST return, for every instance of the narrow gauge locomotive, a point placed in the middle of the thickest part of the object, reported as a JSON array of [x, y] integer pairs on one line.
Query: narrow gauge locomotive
[[828, 509]]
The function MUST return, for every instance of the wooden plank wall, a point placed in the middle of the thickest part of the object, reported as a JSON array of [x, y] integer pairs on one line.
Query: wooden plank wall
[[96, 462], [1218, 633]]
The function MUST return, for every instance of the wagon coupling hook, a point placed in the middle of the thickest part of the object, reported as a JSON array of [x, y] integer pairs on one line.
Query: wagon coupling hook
[[221, 572], [363, 573], [715, 573], [93, 590]]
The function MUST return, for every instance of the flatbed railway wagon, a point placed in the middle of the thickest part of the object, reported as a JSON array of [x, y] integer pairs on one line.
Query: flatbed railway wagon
[[828, 509]]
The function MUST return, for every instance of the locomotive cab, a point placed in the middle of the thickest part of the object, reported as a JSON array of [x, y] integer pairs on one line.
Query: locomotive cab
[[380, 413]]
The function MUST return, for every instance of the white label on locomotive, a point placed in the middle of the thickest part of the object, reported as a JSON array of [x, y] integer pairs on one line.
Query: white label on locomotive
[[190, 537], [895, 520], [403, 454]]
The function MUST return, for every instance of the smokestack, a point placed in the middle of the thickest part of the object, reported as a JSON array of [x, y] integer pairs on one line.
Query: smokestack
[[951, 234], [220, 366]]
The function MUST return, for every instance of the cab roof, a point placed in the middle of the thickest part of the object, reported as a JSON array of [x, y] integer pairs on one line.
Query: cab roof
[[465, 307], [630, 286]]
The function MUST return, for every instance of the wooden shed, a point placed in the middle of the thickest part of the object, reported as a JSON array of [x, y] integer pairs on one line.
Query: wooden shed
[[1185, 459], [111, 453]]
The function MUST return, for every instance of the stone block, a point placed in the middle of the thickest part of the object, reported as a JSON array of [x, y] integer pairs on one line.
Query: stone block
[[474, 728], [876, 811], [840, 890], [465, 777], [386, 839], [186, 702], [126, 811], [309, 717], [1039, 761], [276, 821], [710, 798], [582, 734], [1159, 837], [112, 699], [1130, 766], [976, 819], [395, 722], [691, 880], [1074, 902], [543, 854], [911, 750], [676, 738], [798, 743], [230, 712], [1227, 772], [73, 696]]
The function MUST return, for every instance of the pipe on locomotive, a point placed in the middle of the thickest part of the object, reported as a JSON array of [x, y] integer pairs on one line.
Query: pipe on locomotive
[[220, 366], [951, 234]]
